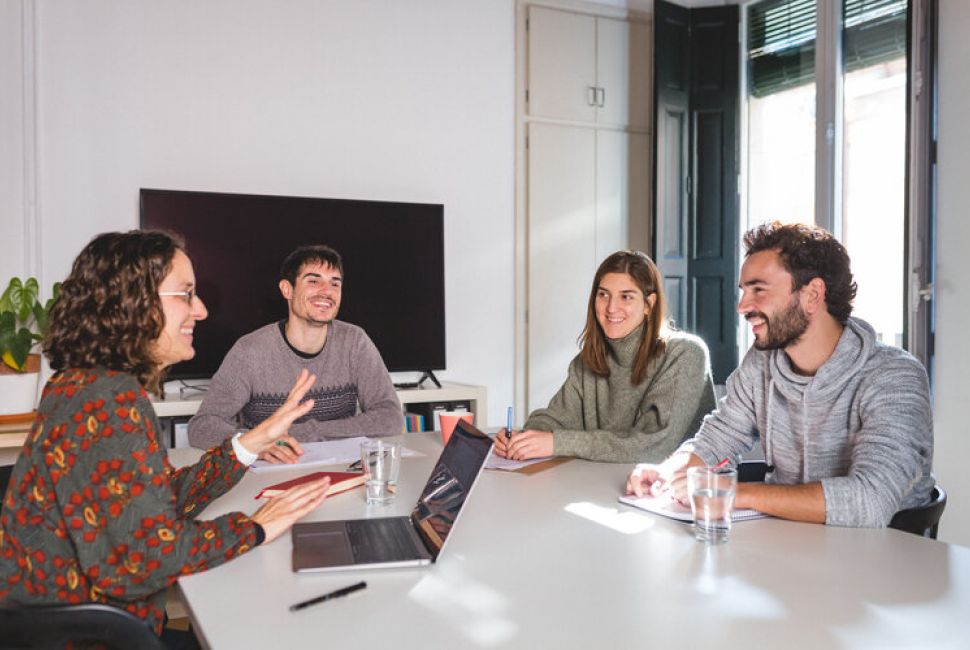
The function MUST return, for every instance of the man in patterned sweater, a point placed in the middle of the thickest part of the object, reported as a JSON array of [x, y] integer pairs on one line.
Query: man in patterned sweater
[[353, 395]]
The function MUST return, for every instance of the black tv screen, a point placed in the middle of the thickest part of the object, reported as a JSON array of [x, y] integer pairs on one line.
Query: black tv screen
[[393, 255]]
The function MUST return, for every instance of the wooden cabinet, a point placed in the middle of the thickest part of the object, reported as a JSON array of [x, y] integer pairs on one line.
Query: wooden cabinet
[[588, 176], [588, 197], [588, 68]]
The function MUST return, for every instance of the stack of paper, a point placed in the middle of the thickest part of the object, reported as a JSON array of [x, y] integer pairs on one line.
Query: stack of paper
[[666, 506], [328, 452]]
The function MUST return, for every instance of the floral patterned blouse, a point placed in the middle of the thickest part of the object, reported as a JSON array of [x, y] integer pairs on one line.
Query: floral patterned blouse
[[94, 512]]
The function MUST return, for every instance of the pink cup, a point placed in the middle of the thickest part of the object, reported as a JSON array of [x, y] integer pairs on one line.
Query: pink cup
[[450, 420]]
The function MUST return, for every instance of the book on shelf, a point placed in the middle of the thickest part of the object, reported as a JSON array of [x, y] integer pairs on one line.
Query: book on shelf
[[413, 422], [431, 411], [339, 482]]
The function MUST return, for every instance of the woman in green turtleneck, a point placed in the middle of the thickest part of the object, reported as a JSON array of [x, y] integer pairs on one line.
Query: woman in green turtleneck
[[636, 389]]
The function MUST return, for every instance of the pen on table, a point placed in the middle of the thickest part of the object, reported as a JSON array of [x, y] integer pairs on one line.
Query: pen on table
[[508, 427], [355, 466], [722, 463], [343, 591]]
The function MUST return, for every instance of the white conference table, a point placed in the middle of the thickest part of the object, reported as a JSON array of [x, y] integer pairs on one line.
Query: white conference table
[[551, 560]]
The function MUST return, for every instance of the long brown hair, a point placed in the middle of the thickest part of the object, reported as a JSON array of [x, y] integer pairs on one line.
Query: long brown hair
[[109, 313], [646, 276]]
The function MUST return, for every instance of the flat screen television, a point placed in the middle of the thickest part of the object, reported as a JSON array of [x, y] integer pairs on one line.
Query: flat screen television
[[393, 255]]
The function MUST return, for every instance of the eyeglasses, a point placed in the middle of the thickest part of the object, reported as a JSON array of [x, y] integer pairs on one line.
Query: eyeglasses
[[188, 296]]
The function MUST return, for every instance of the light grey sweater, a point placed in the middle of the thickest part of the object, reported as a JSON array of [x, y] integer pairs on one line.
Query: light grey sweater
[[353, 394], [862, 426], [609, 419]]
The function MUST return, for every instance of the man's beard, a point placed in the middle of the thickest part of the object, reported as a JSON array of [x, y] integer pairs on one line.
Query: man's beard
[[784, 328]]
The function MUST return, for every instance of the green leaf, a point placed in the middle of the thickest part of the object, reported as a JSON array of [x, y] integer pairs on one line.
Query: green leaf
[[30, 297], [40, 317], [6, 304], [8, 326], [21, 296], [55, 294], [19, 347]]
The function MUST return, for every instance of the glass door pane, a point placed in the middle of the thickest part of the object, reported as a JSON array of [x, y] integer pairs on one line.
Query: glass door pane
[[780, 111], [874, 159]]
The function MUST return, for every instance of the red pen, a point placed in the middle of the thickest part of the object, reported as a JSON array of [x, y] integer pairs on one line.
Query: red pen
[[722, 463]]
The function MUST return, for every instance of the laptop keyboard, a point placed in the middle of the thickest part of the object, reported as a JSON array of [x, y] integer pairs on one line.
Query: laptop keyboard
[[381, 540]]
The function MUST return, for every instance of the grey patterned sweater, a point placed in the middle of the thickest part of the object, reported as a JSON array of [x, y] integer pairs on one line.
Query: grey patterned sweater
[[353, 394], [610, 419], [862, 426]]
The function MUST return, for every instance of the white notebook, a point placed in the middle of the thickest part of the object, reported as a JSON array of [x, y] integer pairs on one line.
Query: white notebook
[[666, 506]]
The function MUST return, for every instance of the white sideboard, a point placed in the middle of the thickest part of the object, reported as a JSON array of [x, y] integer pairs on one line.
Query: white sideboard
[[450, 391]]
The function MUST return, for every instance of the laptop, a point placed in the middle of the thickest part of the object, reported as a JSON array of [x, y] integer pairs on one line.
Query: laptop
[[388, 542]]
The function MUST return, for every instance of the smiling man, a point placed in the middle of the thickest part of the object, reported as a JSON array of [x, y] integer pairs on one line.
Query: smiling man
[[844, 420], [353, 395]]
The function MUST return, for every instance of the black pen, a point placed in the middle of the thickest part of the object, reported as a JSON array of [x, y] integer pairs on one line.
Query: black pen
[[333, 594]]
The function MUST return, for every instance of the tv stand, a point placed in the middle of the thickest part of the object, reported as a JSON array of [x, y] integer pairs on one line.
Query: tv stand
[[171, 410], [428, 374]]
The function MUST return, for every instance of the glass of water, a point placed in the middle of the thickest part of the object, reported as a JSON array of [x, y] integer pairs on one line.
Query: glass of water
[[381, 462], [711, 492]]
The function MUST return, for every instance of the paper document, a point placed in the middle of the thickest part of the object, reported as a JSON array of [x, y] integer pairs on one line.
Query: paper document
[[327, 452], [666, 506], [497, 462]]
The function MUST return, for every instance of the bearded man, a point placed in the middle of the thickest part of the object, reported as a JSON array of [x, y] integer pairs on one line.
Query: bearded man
[[353, 394], [844, 421]]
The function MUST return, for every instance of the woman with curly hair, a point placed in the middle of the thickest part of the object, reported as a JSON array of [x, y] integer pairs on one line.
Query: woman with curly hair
[[94, 512], [636, 389]]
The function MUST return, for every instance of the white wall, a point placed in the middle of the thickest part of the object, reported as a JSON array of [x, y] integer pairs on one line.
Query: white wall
[[363, 99], [13, 219], [952, 382]]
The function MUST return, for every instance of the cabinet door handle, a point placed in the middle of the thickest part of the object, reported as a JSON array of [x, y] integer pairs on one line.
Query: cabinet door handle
[[602, 97], [591, 95]]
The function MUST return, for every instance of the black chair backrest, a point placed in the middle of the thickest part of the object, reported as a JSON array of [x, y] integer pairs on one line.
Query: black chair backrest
[[44, 627], [924, 520], [5, 472], [752, 471]]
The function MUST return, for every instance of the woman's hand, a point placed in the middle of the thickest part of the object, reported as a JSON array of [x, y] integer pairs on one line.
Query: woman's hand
[[277, 516], [286, 449], [501, 443], [258, 439], [528, 444], [642, 479]]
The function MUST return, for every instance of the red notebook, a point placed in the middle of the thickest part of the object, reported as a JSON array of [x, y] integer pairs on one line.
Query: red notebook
[[339, 482]]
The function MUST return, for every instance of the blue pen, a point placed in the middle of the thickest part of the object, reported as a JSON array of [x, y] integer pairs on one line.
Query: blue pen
[[508, 427]]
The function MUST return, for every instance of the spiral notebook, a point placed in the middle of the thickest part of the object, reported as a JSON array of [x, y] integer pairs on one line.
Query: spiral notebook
[[666, 506]]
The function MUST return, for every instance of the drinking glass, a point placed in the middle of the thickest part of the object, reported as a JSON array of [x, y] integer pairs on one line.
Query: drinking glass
[[381, 462], [711, 492]]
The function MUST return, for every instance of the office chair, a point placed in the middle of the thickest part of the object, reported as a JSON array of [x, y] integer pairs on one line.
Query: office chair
[[922, 520], [752, 471], [45, 627], [5, 472]]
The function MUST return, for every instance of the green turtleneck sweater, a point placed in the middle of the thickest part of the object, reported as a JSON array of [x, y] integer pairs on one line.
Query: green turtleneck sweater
[[610, 419]]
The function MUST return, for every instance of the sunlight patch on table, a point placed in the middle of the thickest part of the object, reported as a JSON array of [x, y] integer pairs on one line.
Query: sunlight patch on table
[[477, 611], [628, 523]]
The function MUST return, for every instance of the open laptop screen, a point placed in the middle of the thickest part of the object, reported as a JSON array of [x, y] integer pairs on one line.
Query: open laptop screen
[[450, 483]]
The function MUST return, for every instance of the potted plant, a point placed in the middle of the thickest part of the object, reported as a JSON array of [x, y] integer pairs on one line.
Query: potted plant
[[23, 322]]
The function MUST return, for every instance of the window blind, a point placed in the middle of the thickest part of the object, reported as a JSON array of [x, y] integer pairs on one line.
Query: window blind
[[781, 39]]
